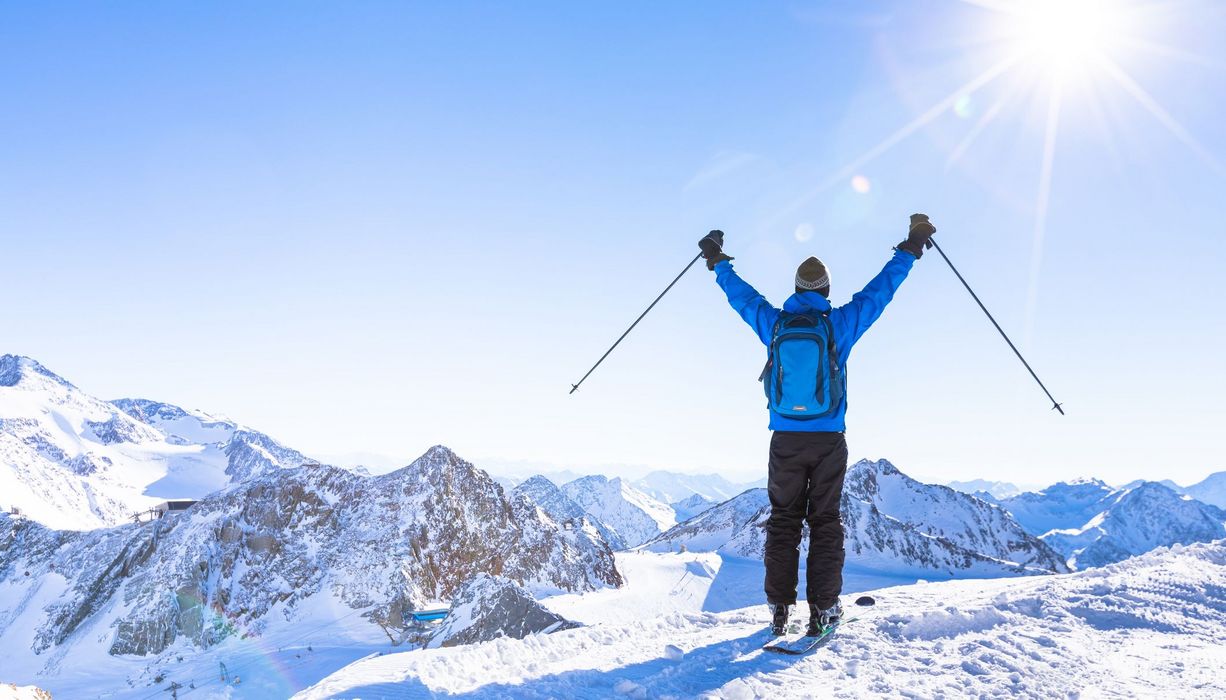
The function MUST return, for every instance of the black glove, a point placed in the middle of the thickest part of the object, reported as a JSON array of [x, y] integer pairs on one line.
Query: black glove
[[712, 246], [919, 237]]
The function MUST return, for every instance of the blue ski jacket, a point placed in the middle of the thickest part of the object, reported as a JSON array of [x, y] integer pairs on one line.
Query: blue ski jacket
[[849, 321]]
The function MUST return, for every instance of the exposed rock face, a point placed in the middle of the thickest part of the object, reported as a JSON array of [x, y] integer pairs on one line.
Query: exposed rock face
[[1139, 519], [549, 497], [631, 515], [893, 524], [733, 527], [489, 607], [966, 522], [229, 564]]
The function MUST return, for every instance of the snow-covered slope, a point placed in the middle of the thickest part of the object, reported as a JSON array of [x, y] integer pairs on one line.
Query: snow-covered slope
[[966, 522], [692, 506], [1212, 490], [545, 494], [1068, 504], [894, 525], [72, 461], [1136, 521], [629, 513], [314, 541], [8, 691], [733, 527], [670, 487], [1153, 626]]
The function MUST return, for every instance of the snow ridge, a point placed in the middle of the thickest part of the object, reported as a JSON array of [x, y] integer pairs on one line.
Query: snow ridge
[[263, 552], [893, 524], [1137, 520], [72, 461], [633, 516]]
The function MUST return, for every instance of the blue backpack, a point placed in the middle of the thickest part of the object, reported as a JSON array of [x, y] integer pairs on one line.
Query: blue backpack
[[803, 378]]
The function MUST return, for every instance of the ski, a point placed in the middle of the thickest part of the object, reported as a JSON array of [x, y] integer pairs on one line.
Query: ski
[[801, 645], [796, 647]]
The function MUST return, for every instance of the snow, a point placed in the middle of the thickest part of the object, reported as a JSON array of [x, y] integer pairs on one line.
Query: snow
[[8, 691], [1152, 626], [1212, 490], [629, 513], [75, 462], [893, 524], [1060, 506], [1137, 520], [693, 506]]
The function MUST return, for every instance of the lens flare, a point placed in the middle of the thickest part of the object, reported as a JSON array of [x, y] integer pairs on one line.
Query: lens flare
[[1066, 37]]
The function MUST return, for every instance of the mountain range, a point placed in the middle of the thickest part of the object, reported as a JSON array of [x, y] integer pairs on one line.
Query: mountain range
[[1092, 524], [72, 461], [893, 524], [287, 545], [275, 541]]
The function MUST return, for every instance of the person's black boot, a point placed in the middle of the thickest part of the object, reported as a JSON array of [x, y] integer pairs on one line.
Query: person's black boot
[[822, 619], [779, 618]]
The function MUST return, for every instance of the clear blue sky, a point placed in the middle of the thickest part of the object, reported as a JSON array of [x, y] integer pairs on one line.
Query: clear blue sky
[[373, 227]]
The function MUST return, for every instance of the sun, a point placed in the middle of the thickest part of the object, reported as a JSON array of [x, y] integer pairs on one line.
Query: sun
[[1065, 37]]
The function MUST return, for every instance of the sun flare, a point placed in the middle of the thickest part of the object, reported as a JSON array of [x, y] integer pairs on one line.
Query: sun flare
[[1065, 36]]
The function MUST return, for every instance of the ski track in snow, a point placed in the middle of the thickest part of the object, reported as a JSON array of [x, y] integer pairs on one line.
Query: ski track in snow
[[1151, 626]]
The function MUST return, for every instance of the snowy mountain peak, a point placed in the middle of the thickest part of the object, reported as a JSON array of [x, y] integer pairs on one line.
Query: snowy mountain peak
[[631, 515], [16, 368], [694, 505], [149, 411], [1083, 481], [893, 523], [439, 457], [1060, 506], [1211, 490], [1135, 521], [73, 461], [277, 548], [441, 465], [881, 466]]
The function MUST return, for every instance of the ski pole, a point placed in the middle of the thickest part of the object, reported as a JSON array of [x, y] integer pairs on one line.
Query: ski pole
[[575, 387], [1055, 404]]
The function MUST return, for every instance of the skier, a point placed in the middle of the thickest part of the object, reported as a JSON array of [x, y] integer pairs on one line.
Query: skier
[[805, 381]]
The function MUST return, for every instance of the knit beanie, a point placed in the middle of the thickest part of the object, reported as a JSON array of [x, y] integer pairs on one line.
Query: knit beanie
[[812, 276]]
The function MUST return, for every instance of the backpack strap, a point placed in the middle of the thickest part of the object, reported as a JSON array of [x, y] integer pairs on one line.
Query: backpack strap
[[770, 359], [834, 351]]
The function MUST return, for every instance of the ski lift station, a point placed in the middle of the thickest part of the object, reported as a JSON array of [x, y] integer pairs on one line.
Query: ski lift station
[[163, 509]]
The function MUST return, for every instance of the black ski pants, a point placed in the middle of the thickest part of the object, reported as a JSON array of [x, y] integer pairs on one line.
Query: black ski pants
[[805, 484]]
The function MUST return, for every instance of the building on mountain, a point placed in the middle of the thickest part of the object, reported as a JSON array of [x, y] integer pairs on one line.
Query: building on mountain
[[163, 509]]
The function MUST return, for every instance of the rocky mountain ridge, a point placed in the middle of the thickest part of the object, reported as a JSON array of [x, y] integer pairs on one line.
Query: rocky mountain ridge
[[261, 552], [893, 524]]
